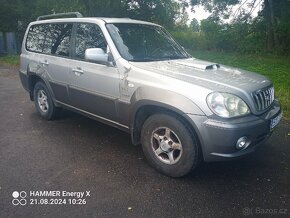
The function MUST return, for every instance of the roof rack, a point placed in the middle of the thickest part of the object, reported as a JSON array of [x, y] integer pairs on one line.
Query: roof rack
[[60, 15]]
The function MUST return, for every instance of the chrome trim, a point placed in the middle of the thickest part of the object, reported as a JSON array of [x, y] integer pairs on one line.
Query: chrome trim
[[263, 98]]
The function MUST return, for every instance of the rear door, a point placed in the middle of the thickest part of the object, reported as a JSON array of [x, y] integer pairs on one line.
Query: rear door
[[48, 47], [55, 58], [94, 86]]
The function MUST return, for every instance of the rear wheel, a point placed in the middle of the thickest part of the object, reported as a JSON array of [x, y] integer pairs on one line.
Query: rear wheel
[[43, 102], [169, 145]]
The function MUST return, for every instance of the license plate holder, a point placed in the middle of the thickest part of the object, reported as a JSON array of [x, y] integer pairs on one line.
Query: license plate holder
[[275, 121]]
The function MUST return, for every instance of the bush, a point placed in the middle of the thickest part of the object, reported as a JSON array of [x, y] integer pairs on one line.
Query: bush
[[189, 39]]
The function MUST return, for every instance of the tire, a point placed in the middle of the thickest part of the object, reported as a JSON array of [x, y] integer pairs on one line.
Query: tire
[[43, 102], [169, 145]]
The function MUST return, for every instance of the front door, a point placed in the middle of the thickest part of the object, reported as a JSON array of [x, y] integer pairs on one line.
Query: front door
[[94, 86]]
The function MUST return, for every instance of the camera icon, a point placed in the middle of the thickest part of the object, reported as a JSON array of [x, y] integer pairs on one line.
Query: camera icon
[[19, 198]]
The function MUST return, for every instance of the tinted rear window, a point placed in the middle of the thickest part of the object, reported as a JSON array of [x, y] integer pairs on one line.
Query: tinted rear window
[[50, 39], [35, 38]]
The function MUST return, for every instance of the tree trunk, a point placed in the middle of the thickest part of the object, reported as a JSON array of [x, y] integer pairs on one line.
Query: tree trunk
[[269, 32], [274, 24], [272, 38], [89, 7]]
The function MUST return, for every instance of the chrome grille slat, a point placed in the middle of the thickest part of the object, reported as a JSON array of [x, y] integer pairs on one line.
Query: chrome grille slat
[[269, 100], [272, 94], [258, 104], [263, 98]]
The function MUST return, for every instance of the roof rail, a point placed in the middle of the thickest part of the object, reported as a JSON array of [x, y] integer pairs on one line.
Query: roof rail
[[60, 15]]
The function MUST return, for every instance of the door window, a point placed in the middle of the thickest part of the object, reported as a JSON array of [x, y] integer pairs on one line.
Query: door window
[[88, 36], [57, 41]]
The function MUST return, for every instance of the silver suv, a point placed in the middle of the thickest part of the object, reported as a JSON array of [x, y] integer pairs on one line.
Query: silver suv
[[132, 75]]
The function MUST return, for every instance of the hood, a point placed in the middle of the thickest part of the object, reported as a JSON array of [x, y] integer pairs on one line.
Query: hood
[[210, 75]]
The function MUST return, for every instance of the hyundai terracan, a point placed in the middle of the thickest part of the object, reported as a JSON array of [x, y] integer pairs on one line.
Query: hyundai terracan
[[132, 75]]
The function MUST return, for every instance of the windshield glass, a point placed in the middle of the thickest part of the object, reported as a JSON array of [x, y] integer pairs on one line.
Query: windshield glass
[[139, 42]]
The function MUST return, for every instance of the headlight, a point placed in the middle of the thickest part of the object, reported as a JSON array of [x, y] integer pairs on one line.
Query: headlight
[[227, 105]]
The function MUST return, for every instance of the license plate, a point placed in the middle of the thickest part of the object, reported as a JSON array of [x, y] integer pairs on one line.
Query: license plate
[[275, 121]]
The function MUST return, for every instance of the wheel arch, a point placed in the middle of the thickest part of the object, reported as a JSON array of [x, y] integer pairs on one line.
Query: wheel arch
[[147, 102], [33, 78]]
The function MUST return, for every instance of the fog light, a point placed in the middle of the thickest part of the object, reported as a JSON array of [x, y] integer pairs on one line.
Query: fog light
[[242, 143]]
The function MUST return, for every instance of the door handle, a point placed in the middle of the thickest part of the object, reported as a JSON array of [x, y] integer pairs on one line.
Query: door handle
[[44, 63], [78, 71]]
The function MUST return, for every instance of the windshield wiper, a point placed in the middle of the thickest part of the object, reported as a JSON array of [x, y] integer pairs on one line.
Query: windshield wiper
[[165, 58], [144, 59], [174, 57]]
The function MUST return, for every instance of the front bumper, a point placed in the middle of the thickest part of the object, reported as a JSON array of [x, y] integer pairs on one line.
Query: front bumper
[[218, 138]]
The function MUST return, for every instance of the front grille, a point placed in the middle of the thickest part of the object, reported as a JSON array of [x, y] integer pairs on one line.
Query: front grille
[[263, 98]]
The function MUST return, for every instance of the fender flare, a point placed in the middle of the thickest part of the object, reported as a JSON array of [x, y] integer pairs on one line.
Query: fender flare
[[160, 98], [42, 75]]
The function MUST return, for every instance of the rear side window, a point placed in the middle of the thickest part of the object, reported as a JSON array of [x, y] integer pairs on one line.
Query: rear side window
[[88, 36], [35, 38], [50, 39]]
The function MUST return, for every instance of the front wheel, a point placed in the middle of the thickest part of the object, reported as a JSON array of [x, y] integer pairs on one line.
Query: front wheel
[[169, 145], [43, 102]]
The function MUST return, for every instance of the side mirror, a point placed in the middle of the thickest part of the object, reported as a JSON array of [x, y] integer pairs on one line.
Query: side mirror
[[96, 54]]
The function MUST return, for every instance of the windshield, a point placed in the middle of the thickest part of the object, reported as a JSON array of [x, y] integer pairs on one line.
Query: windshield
[[139, 42]]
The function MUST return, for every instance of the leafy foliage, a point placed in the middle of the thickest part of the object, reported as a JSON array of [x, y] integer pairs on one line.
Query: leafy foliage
[[269, 32], [218, 8], [271, 27], [194, 24], [16, 14]]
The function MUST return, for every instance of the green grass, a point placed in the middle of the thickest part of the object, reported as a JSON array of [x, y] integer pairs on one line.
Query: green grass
[[277, 69], [10, 59]]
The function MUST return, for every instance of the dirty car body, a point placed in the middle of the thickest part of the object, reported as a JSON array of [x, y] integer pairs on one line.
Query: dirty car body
[[134, 71]]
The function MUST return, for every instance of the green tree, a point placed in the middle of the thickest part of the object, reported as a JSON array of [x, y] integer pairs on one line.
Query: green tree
[[275, 15], [160, 11], [194, 25], [9, 15], [15, 13], [183, 17], [108, 8], [164, 12]]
